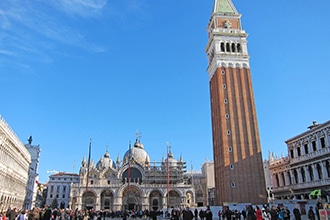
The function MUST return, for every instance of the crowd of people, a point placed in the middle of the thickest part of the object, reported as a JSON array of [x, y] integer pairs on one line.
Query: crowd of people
[[65, 214], [248, 213], [270, 213]]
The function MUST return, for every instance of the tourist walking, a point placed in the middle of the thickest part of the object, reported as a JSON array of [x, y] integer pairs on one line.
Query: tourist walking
[[311, 214], [296, 213], [208, 213], [187, 214]]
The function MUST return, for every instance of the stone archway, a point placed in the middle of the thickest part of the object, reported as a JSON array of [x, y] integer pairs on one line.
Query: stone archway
[[155, 200], [106, 200], [173, 199], [132, 198], [88, 200]]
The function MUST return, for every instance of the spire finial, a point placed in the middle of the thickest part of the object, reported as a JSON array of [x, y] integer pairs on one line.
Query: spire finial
[[138, 135]]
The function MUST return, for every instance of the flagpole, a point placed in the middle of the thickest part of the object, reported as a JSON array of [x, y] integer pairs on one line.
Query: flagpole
[[88, 163], [129, 173]]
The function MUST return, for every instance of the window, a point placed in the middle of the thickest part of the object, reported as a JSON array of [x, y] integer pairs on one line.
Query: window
[[233, 185], [225, 101], [224, 86], [306, 148], [295, 175], [92, 182], [314, 145], [291, 153], [228, 132], [298, 151], [322, 142], [303, 176], [311, 174], [277, 180], [227, 47], [222, 47], [283, 178], [239, 48], [227, 116], [230, 149], [319, 171], [233, 47], [231, 166], [223, 72], [108, 182]]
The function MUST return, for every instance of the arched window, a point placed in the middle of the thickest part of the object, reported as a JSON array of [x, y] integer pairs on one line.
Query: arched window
[[239, 48], [222, 47], [233, 47], [227, 47]]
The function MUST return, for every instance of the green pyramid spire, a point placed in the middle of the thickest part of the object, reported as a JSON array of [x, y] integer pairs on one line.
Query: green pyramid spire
[[224, 6]]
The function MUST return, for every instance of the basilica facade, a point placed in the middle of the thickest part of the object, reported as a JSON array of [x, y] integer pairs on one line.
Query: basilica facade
[[133, 183]]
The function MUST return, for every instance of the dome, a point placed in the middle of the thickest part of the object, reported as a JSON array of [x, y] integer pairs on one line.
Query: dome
[[105, 162], [171, 161], [137, 153]]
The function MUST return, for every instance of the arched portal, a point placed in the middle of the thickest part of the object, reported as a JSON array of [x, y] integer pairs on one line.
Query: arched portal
[[132, 198], [173, 199], [106, 200], [155, 201], [88, 200]]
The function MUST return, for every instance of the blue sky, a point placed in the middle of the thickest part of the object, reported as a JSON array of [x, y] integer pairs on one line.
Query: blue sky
[[101, 69]]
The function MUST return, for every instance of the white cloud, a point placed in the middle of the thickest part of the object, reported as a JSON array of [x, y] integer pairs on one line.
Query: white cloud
[[83, 8], [33, 31]]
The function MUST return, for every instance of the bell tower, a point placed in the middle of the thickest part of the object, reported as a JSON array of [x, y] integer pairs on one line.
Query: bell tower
[[238, 165]]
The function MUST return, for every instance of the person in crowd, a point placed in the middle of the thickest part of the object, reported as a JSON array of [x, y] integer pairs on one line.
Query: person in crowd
[[4, 216], [265, 214], [273, 213], [22, 215], [280, 214], [48, 213], [187, 214], [250, 213], [208, 213], [201, 214], [258, 213], [296, 213], [12, 214], [244, 213], [219, 214], [196, 214], [174, 215], [318, 207], [311, 214], [286, 213], [226, 213]]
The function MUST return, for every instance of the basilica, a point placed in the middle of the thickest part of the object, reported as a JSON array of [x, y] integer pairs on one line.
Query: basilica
[[133, 183]]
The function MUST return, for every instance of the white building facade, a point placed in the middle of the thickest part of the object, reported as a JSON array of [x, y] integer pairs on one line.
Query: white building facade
[[14, 168], [59, 186], [307, 166]]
